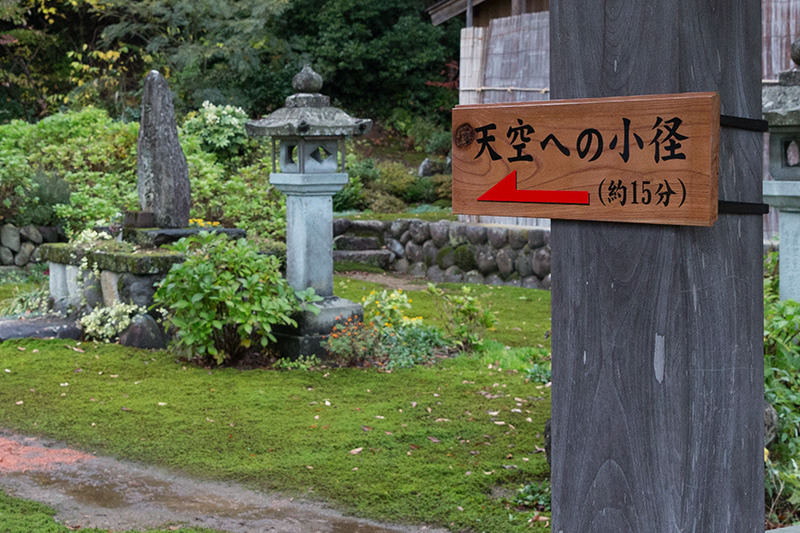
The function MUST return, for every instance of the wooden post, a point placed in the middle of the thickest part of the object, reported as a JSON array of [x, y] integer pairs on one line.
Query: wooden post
[[517, 7], [657, 330], [470, 12]]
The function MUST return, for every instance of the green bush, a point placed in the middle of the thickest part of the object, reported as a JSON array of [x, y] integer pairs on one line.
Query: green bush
[[47, 192], [394, 178], [421, 190], [351, 197], [226, 298], [220, 128], [366, 170], [464, 316]]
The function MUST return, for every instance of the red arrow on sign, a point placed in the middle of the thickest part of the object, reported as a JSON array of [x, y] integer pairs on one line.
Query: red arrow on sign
[[506, 191]]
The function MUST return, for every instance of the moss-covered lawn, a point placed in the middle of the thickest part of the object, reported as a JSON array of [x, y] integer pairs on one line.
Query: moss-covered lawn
[[428, 444]]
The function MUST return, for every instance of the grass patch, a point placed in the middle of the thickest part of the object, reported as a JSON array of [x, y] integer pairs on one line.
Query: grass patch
[[23, 516], [417, 428], [523, 314]]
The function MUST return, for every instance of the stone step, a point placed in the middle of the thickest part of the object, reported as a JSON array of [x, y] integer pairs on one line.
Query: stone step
[[39, 328], [379, 258]]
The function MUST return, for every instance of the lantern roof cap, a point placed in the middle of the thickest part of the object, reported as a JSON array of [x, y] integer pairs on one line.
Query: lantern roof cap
[[307, 113]]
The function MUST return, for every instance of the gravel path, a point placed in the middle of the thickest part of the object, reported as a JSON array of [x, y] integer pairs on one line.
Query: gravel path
[[101, 492]]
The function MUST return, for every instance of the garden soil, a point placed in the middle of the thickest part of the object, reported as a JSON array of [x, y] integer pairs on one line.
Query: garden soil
[[91, 491]]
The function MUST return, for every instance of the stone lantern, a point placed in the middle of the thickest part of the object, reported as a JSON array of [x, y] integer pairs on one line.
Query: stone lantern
[[781, 109], [310, 135]]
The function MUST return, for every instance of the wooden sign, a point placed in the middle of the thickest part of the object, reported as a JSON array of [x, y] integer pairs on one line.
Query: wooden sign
[[646, 159]]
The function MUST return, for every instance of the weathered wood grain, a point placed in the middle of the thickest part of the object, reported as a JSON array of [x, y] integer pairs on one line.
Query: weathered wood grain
[[657, 349]]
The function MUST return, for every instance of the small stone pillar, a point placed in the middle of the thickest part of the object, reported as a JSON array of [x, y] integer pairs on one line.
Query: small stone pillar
[[781, 109], [311, 135]]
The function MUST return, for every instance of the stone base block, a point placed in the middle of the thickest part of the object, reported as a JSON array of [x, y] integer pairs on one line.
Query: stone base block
[[309, 336]]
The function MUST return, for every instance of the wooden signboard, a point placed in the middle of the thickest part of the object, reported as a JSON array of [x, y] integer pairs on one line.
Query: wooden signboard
[[647, 159]]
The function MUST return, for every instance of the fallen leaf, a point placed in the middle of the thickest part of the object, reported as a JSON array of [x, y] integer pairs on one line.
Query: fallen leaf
[[209, 420], [8, 371], [429, 410], [162, 404], [379, 417], [433, 439], [366, 428], [413, 404], [126, 409], [21, 348], [442, 420], [19, 402], [388, 432], [467, 473], [493, 413], [460, 508], [499, 423], [539, 450], [327, 402], [413, 446], [355, 469], [310, 467], [65, 384], [356, 451], [35, 351], [510, 467]]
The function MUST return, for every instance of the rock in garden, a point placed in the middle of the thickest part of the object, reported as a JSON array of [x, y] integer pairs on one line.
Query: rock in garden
[[398, 227], [48, 233], [429, 167], [547, 282], [522, 263], [453, 275], [401, 266], [24, 254], [30, 233], [498, 237], [419, 230], [486, 260], [418, 270], [163, 176], [457, 234], [505, 262], [394, 246], [346, 242], [473, 276], [435, 274], [429, 252], [531, 282], [536, 238], [145, 333], [6, 256], [476, 234], [517, 238], [541, 262], [440, 233], [9, 237], [414, 252], [340, 226]]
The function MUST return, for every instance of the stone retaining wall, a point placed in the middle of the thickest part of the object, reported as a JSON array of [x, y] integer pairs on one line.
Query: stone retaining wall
[[448, 251], [19, 246]]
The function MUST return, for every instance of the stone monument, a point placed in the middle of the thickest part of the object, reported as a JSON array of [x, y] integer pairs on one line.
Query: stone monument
[[163, 176]]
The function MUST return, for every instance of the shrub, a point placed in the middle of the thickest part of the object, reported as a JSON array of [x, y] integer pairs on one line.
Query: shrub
[[220, 129], [47, 191], [352, 343], [394, 178], [352, 197], [412, 344], [386, 203], [464, 316], [421, 190], [365, 170], [226, 298], [444, 186]]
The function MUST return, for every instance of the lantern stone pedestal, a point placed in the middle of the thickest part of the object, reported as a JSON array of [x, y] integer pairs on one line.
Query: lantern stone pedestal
[[785, 197], [311, 135], [309, 261]]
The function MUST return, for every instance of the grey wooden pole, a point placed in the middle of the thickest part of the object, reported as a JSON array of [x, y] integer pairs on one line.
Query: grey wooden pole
[[470, 9], [657, 330]]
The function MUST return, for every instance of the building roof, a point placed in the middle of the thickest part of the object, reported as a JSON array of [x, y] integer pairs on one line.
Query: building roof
[[444, 10]]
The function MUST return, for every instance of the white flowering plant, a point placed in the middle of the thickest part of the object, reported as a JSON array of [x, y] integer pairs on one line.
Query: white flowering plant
[[220, 129], [107, 323]]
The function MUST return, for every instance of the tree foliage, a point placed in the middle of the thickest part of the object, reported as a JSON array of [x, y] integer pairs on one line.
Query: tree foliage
[[376, 56]]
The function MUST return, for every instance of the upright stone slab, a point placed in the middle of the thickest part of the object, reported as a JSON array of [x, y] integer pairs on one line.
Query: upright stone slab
[[658, 369], [163, 182]]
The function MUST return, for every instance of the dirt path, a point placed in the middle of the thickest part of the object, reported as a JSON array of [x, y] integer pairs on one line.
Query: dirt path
[[90, 491]]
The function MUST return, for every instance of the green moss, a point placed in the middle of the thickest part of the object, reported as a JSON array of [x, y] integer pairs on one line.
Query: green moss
[[150, 262], [64, 253], [444, 257], [464, 257]]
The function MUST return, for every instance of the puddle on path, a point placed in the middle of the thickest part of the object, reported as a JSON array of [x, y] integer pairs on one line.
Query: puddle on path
[[100, 492]]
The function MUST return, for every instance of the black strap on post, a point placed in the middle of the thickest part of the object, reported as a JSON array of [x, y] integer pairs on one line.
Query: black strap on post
[[751, 124], [741, 208]]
